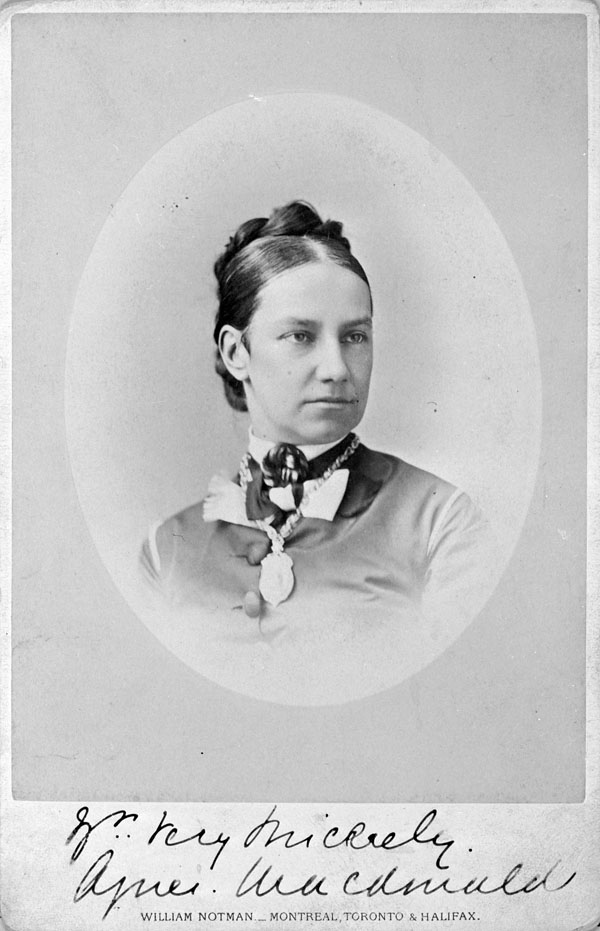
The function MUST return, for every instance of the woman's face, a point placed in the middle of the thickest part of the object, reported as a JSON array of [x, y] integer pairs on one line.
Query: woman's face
[[310, 353]]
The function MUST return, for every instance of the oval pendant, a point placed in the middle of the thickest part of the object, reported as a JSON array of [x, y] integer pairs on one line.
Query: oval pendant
[[276, 578]]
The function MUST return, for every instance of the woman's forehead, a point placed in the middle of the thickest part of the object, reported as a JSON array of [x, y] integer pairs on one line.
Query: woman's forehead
[[319, 291]]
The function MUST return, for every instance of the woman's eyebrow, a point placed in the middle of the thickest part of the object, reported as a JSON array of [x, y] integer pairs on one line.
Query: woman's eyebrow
[[360, 321], [297, 321], [312, 322]]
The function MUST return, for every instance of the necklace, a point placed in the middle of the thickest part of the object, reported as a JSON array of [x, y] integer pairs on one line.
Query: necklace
[[276, 574]]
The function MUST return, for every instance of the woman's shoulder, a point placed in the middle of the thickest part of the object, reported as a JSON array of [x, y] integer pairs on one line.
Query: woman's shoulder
[[166, 536], [415, 493], [389, 469], [377, 477]]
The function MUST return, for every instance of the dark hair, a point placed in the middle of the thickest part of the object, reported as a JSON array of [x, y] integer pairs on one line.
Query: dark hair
[[259, 250]]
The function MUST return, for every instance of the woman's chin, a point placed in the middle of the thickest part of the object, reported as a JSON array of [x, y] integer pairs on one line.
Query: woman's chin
[[323, 426], [319, 435], [328, 427]]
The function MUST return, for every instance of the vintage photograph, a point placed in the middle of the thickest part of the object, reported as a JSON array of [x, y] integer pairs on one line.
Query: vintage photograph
[[365, 301], [301, 427], [391, 561]]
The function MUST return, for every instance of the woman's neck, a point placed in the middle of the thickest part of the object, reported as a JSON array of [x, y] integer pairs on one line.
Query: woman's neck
[[258, 447]]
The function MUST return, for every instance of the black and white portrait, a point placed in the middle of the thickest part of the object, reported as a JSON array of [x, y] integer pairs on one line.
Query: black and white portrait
[[300, 430], [291, 559], [302, 492]]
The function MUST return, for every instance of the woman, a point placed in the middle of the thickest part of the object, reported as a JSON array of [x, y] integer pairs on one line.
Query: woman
[[319, 546]]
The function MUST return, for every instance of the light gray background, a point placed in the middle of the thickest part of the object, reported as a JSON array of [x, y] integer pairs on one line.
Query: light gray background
[[100, 708]]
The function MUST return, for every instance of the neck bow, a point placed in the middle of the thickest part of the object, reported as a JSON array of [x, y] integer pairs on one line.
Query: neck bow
[[278, 487]]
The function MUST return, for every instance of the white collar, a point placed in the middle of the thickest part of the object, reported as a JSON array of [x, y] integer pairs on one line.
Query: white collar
[[258, 448]]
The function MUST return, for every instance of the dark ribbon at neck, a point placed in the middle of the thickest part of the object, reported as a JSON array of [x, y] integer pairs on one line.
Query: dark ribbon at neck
[[283, 465]]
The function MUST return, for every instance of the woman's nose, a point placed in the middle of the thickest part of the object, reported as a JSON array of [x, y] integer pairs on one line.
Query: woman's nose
[[332, 364]]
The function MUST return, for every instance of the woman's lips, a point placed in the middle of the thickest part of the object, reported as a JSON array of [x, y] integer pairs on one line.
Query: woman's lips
[[333, 402]]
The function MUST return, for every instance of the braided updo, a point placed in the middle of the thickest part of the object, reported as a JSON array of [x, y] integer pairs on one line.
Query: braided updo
[[259, 250]]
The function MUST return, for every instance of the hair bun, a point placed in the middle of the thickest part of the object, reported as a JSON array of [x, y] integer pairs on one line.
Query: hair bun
[[298, 218], [332, 229]]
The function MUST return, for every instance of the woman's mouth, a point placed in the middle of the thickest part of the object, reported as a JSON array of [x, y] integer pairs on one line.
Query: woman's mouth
[[333, 402]]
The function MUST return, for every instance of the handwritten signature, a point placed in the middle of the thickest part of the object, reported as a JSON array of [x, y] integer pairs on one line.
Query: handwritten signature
[[262, 880]]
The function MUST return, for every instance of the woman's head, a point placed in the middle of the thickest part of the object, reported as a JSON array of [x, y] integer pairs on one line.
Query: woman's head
[[289, 269]]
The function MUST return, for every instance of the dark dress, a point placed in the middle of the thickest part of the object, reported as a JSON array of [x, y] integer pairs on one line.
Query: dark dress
[[405, 564]]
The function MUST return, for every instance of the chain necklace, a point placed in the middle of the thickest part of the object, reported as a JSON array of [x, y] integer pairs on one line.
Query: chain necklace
[[276, 575]]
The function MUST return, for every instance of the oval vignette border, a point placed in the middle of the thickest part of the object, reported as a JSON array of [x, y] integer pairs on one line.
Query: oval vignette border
[[459, 372]]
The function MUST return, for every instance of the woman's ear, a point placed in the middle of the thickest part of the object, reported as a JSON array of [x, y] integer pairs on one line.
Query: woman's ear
[[234, 352]]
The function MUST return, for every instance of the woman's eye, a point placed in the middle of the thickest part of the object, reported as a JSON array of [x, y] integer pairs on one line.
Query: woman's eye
[[356, 338], [299, 337]]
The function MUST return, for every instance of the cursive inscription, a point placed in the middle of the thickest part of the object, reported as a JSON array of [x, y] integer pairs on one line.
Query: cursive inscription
[[91, 883], [86, 828], [262, 884], [171, 839], [384, 885], [320, 861]]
